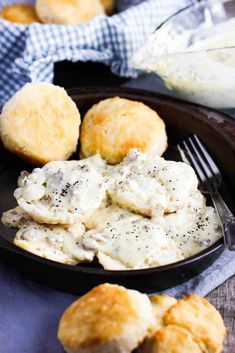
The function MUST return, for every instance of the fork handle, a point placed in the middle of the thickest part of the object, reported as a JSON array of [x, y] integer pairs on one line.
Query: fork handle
[[227, 221]]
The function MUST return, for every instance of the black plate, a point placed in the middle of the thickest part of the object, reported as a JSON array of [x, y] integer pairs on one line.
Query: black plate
[[215, 129]]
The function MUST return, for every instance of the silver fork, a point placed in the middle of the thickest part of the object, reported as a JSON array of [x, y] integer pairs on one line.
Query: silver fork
[[194, 153]]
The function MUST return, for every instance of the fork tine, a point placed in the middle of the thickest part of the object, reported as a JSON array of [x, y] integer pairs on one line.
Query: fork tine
[[200, 158], [183, 155], [194, 163], [207, 156]]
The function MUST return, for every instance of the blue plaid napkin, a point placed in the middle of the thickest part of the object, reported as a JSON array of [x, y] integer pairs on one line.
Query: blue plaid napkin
[[28, 52]]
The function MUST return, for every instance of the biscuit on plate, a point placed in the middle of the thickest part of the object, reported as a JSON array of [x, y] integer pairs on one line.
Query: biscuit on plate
[[70, 12], [115, 125], [106, 215], [19, 13], [107, 319], [61, 192], [108, 6], [150, 185], [15, 218], [201, 319], [53, 242], [132, 242], [40, 123]]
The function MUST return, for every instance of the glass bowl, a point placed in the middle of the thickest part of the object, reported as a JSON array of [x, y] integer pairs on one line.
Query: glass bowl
[[194, 53]]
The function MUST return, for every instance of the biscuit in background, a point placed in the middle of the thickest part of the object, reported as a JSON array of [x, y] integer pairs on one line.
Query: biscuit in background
[[107, 319], [70, 12], [109, 6], [40, 123], [19, 13], [115, 125]]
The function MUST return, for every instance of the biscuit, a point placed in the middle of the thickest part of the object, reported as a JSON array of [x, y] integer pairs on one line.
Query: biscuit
[[150, 185], [108, 6], [171, 339], [201, 319], [115, 125], [15, 218], [108, 319], [132, 243], [70, 12], [160, 305], [106, 215], [194, 227], [54, 242], [19, 13], [40, 123], [61, 192]]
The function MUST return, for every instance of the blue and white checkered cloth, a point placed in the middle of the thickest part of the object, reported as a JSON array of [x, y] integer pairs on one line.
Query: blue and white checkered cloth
[[28, 52]]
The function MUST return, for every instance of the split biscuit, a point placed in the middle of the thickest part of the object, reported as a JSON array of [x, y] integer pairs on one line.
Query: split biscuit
[[15, 218], [61, 192], [132, 243], [149, 185], [58, 243]]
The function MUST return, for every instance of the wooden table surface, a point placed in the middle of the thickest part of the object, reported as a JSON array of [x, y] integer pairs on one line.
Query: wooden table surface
[[223, 297]]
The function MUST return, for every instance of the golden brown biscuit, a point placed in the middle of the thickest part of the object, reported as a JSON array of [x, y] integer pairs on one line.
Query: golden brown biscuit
[[107, 319], [171, 339], [160, 305], [114, 126], [19, 13], [201, 319], [68, 11], [40, 123], [108, 6]]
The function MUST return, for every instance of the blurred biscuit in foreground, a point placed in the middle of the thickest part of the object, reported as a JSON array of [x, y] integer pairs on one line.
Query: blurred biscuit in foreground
[[19, 13], [160, 305], [40, 123], [192, 325], [107, 319], [68, 12], [115, 125], [172, 339], [201, 319]]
